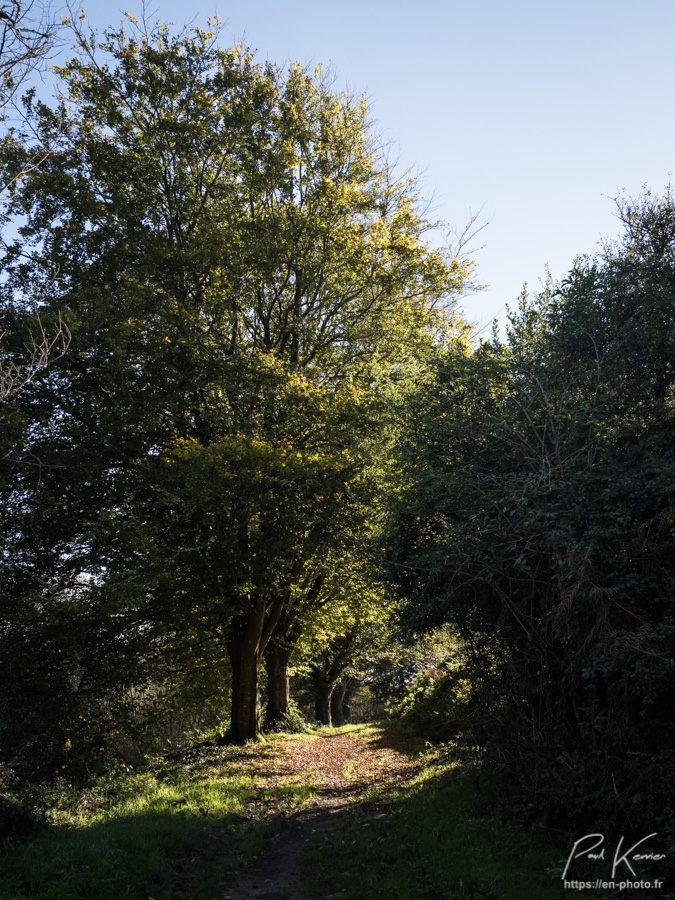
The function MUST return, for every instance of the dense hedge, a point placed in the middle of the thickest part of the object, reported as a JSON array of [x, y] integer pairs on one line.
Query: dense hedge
[[539, 519]]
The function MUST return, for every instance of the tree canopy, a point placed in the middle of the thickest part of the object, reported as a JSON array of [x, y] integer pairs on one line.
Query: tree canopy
[[244, 278]]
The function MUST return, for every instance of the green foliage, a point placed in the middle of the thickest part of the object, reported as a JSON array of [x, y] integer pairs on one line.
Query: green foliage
[[245, 282], [290, 722], [403, 661], [438, 704], [539, 520]]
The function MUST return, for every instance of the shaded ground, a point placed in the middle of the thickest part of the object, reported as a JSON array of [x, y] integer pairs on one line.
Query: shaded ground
[[353, 814], [344, 769]]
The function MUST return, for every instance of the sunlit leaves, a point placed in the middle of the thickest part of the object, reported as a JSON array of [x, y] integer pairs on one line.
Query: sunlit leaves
[[247, 283]]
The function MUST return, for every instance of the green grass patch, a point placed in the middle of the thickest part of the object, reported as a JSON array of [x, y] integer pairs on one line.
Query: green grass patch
[[185, 828], [365, 728], [182, 834], [122, 850], [441, 838]]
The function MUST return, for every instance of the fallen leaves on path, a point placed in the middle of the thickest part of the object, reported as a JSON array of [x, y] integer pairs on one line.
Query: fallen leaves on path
[[336, 761], [341, 767]]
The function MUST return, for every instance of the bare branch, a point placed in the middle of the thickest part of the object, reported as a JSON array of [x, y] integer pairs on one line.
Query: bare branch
[[42, 348], [27, 34]]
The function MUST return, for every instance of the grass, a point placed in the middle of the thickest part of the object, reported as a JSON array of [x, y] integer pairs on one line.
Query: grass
[[144, 836], [441, 838], [183, 830]]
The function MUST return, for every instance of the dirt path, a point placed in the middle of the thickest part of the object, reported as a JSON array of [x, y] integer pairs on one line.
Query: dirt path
[[343, 769]]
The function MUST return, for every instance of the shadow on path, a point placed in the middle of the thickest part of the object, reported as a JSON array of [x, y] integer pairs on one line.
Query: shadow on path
[[344, 767], [278, 873]]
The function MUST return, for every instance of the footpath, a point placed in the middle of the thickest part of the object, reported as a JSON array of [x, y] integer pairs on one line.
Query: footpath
[[344, 769]]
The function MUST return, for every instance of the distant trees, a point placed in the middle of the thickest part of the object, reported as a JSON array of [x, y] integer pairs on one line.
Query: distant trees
[[539, 519], [245, 282]]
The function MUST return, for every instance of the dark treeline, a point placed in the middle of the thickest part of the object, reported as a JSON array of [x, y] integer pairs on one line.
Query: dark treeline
[[243, 434], [538, 517]]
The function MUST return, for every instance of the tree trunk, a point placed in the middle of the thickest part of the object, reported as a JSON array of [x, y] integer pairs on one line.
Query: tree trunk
[[347, 700], [249, 635], [322, 703], [245, 722], [277, 657], [336, 700]]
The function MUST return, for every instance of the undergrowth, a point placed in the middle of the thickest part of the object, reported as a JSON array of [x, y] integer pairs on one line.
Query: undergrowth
[[180, 829]]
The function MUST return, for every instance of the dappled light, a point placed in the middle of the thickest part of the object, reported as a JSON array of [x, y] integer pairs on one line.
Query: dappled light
[[261, 487]]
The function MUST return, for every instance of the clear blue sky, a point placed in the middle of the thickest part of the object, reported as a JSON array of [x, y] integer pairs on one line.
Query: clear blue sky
[[538, 113]]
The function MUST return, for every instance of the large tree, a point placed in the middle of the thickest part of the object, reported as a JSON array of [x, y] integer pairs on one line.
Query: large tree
[[239, 269]]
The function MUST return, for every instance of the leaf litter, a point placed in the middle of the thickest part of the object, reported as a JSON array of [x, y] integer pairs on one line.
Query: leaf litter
[[343, 768]]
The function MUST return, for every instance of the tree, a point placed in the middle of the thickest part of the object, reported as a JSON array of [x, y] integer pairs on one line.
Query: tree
[[27, 345], [336, 640], [539, 520], [238, 267], [342, 577], [27, 35]]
